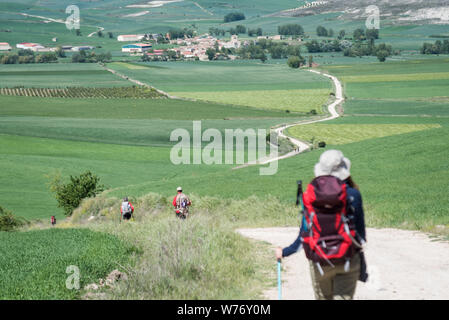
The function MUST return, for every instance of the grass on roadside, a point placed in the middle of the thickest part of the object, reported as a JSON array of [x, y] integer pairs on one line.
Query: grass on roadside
[[198, 258], [33, 264]]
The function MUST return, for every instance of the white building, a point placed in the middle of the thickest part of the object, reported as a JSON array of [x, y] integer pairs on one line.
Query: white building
[[130, 37], [233, 44], [136, 47], [30, 46], [81, 48], [4, 46]]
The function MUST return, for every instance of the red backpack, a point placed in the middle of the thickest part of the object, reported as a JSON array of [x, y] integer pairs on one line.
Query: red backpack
[[328, 234]]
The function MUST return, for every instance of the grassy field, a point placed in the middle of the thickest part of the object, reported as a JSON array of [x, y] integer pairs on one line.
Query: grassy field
[[399, 148], [201, 258], [125, 141], [411, 87], [337, 134], [394, 131], [42, 275], [268, 86]]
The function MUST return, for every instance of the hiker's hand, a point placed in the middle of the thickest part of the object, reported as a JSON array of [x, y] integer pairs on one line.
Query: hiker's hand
[[278, 253]]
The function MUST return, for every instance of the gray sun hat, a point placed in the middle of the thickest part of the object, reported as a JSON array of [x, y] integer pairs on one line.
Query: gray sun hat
[[333, 163], [179, 189]]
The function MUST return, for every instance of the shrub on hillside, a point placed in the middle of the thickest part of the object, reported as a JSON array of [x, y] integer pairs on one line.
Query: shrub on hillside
[[295, 62], [234, 16], [69, 195], [291, 30], [8, 221]]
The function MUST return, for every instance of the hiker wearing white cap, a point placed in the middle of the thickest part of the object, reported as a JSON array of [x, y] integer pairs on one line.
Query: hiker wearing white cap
[[333, 229], [181, 203]]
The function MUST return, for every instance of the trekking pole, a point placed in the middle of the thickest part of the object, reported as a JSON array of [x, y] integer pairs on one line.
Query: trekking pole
[[279, 280], [298, 192], [299, 202]]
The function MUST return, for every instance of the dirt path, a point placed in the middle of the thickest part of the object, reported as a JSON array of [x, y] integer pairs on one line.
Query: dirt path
[[139, 83], [91, 34], [61, 21], [403, 265], [300, 145]]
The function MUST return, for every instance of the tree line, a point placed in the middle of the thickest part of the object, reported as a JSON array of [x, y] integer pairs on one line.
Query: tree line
[[439, 47], [90, 57], [234, 16], [239, 29], [28, 56]]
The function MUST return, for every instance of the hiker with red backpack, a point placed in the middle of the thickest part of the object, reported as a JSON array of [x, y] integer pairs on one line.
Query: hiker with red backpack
[[126, 210], [332, 232], [181, 203]]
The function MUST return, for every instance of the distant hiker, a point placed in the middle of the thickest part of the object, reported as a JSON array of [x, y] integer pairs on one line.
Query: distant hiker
[[181, 203], [53, 220], [126, 210], [332, 230]]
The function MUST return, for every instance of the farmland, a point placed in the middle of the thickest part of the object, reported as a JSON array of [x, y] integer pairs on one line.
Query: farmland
[[66, 118], [126, 140], [58, 76], [336, 134], [79, 92], [395, 134], [270, 86]]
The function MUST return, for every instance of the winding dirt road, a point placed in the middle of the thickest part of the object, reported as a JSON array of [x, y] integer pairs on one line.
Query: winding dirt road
[[302, 146], [402, 265]]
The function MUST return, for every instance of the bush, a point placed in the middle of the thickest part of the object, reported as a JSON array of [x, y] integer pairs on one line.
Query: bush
[[322, 31], [234, 16], [8, 221], [294, 62], [69, 195], [382, 55], [291, 30]]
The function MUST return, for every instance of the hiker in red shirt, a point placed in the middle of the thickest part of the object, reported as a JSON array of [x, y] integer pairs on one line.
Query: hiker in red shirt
[[181, 203], [126, 210]]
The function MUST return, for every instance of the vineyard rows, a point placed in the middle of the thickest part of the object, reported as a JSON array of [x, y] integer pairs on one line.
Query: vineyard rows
[[77, 92]]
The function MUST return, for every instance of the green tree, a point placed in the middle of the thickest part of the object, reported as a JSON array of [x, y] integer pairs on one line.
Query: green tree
[[46, 57], [8, 221], [70, 195], [294, 62], [291, 30], [321, 31], [234, 16], [60, 53], [341, 34], [359, 34], [211, 54], [382, 55], [240, 29], [372, 34], [111, 35]]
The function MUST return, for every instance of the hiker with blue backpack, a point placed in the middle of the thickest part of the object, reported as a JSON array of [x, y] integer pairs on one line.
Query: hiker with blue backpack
[[332, 231]]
